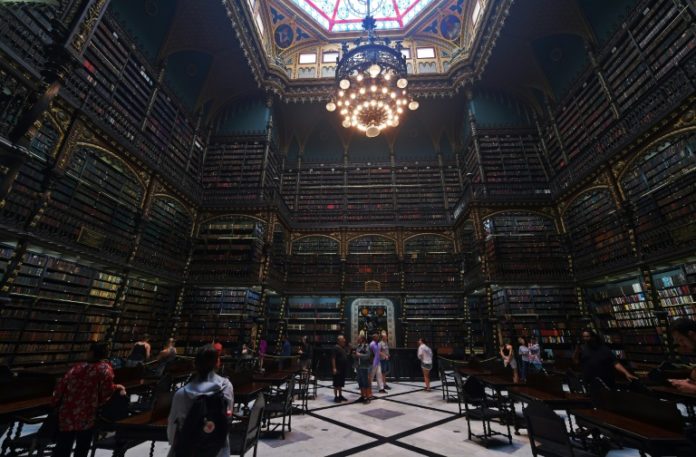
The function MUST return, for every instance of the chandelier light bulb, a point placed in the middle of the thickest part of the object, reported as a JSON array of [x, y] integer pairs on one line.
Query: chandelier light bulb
[[373, 102], [393, 95], [352, 96], [413, 105], [346, 123], [362, 91], [387, 76], [399, 110], [339, 103], [344, 84], [395, 122], [341, 93], [374, 70], [373, 88], [359, 78], [331, 106], [401, 83], [347, 103], [344, 111], [372, 131]]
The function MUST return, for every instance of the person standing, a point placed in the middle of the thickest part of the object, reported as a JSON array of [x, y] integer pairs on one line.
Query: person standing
[[263, 348], [376, 370], [535, 354], [306, 354], [205, 382], [523, 352], [384, 359], [598, 362], [169, 352], [339, 366], [507, 352], [425, 355], [78, 396], [364, 360], [140, 352]]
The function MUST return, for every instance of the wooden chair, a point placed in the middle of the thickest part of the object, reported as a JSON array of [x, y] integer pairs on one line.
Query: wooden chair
[[548, 435], [301, 393], [480, 406], [245, 434], [279, 405], [448, 385]]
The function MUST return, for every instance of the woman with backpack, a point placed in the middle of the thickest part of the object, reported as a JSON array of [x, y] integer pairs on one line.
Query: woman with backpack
[[200, 413]]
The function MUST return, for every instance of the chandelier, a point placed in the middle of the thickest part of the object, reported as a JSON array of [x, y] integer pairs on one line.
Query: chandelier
[[371, 83]]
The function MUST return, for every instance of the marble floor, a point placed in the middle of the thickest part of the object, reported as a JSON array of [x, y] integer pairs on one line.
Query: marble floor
[[405, 422]]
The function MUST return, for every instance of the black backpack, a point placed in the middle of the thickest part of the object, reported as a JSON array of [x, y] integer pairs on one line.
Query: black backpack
[[204, 432]]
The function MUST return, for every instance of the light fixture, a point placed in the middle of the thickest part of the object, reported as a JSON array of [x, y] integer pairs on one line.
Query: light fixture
[[371, 74]]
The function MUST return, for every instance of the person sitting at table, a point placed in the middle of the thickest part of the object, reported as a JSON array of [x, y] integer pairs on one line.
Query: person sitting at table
[[140, 352], [598, 361], [78, 395], [684, 335], [204, 382]]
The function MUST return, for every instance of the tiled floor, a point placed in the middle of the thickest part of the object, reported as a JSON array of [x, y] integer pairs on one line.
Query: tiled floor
[[405, 422]]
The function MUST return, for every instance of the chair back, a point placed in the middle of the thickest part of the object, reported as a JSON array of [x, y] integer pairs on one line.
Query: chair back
[[254, 422], [115, 409], [545, 427], [574, 383], [290, 389], [473, 389], [458, 383]]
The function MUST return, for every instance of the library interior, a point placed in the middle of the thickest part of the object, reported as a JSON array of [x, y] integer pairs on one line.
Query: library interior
[[348, 227]]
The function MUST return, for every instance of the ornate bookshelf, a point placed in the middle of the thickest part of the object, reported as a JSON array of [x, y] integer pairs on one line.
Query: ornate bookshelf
[[438, 318], [228, 248], [224, 314], [430, 263], [661, 191], [523, 246], [315, 263], [318, 317], [676, 290], [598, 239], [53, 306], [625, 318], [372, 258], [551, 314]]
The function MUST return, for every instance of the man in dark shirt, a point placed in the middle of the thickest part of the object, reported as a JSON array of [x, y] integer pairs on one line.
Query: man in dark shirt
[[684, 336], [339, 362], [598, 361]]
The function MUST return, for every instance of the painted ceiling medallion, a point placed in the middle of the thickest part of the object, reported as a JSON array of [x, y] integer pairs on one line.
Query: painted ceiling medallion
[[347, 15]]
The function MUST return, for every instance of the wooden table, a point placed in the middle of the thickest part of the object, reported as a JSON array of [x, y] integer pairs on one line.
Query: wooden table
[[275, 378], [557, 401], [495, 381], [245, 393], [674, 394], [649, 438], [14, 408]]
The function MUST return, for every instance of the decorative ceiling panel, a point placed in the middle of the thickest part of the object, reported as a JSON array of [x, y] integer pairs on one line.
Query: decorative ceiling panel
[[347, 15]]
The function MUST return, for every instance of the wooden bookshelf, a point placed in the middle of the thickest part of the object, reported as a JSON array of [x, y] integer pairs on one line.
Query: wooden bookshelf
[[598, 240], [320, 318], [523, 246], [315, 263], [53, 307], [624, 317], [224, 314], [372, 258], [228, 248], [661, 190], [430, 263], [437, 318], [551, 314]]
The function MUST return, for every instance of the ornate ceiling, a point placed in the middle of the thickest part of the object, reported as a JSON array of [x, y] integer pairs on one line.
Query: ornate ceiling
[[338, 16], [292, 45]]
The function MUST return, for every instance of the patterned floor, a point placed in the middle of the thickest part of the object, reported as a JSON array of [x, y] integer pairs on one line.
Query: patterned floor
[[405, 422]]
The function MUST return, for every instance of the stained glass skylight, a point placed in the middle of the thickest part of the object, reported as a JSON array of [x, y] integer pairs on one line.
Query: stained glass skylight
[[347, 15]]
